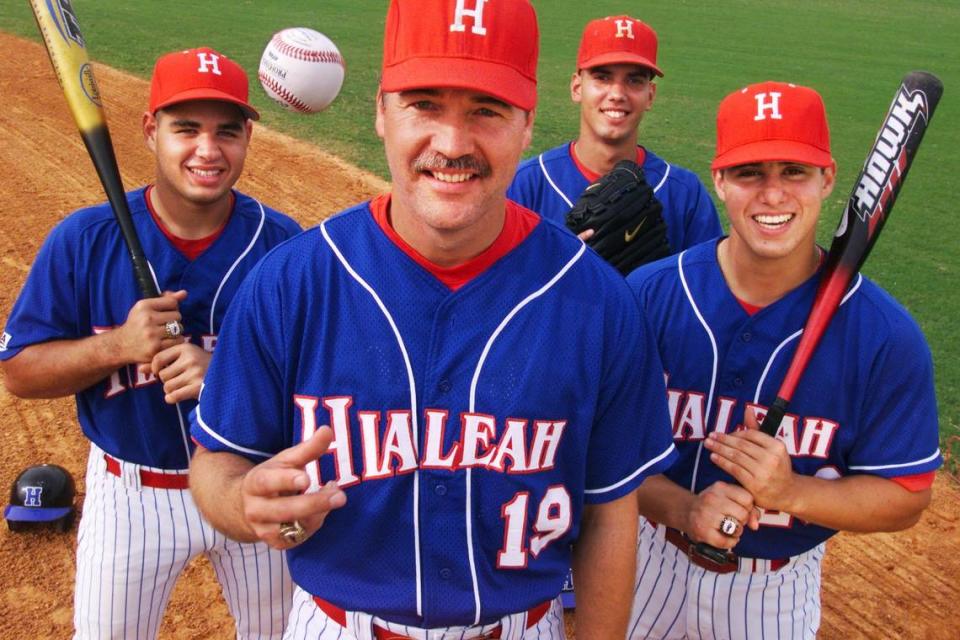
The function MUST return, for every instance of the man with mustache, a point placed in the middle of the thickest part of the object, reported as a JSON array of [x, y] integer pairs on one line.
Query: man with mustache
[[434, 400]]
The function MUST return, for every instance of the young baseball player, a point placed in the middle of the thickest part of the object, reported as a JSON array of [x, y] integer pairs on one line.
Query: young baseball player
[[79, 328], [473, 394], [614, 86], [859, 446]]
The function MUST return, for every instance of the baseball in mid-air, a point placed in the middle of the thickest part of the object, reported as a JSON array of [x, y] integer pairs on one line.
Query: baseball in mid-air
[[301, 69]]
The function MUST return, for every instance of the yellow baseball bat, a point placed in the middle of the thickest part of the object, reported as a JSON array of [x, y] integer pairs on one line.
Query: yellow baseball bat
[[68, 53]]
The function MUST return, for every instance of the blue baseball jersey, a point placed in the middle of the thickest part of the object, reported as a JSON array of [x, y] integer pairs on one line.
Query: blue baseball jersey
[[82, 283], [551, 183], [470, 426], [865, 405]]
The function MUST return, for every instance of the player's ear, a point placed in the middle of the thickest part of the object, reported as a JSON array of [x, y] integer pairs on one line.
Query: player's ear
[[653, 93], [829, 179], [718, 183], [150, 130], [576, 85], [380, 107], [528, 128]]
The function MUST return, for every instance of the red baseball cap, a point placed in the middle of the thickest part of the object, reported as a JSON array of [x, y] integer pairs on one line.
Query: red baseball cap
[[771, 122], [485, 46], [618, 40], [199, 74]]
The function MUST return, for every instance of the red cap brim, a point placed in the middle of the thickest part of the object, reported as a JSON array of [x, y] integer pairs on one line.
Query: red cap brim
[[206, 93], [619, 57], [773, 151], [500, 81]]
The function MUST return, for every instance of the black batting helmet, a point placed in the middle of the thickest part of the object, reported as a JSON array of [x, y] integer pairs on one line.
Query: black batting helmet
[[42, 493]]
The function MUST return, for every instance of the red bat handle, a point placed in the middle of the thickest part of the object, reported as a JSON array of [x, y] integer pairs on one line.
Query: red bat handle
[[825, 304]]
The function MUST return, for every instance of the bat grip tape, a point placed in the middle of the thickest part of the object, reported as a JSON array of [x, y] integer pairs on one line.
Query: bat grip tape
[[776, 411]]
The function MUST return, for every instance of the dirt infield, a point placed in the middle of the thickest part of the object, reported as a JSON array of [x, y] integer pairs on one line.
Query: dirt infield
[[878, 586]]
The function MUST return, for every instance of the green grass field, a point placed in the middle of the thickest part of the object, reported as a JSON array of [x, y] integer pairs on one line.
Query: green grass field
[[853, 51]]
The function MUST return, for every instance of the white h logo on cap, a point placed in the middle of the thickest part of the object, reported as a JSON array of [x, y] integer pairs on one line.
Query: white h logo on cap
[[209, 63], [31, 496], [625, 29], [476, 13], [773, 106]]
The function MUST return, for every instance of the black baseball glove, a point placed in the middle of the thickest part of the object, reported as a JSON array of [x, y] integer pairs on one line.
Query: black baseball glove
[[626, 218]]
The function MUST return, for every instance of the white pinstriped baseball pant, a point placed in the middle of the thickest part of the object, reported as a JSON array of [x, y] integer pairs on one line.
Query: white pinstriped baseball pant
[[675, 598], [134, 542]]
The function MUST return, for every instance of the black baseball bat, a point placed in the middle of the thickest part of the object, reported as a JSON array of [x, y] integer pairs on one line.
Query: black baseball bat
[[868, 208]]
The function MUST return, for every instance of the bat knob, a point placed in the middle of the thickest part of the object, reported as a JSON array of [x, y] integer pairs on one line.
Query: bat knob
[[704, 550]]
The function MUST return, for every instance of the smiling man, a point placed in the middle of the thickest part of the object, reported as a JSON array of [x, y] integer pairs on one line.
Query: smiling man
[[79, 329], [434, 400], [614, 86], [858, 450]]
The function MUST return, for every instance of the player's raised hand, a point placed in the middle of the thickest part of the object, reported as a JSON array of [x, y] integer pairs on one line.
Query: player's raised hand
[[760, 463], [719, 500], [275, 492], [144, 332]]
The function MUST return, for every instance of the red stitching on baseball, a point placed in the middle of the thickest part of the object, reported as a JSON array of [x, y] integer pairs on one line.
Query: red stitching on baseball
[[282, 91], [299, 53]]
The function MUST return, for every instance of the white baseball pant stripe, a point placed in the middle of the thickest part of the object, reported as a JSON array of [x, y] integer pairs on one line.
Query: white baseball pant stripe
[[309, 622], [674, 598], [134, 542]]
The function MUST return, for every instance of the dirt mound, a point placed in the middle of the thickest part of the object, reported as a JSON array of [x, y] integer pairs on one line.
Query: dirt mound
[[876, 586]]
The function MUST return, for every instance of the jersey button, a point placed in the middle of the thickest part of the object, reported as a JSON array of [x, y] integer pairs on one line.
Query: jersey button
[[444, 386], [738, 381], [440, 489], [445, 573], [747, 337]]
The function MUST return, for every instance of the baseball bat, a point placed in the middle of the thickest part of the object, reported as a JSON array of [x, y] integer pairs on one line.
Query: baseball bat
[[867, 209], [67, 49]]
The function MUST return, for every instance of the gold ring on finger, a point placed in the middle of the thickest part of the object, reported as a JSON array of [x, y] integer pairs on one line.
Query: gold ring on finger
[[729, 525], [293, 532], [172, 329]]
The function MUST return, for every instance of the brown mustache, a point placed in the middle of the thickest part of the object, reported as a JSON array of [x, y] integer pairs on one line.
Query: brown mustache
[[440, 162]]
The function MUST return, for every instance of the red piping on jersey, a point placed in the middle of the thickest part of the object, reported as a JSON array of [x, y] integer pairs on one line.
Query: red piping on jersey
[[593, 176], [189, 248], [517, 225]]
